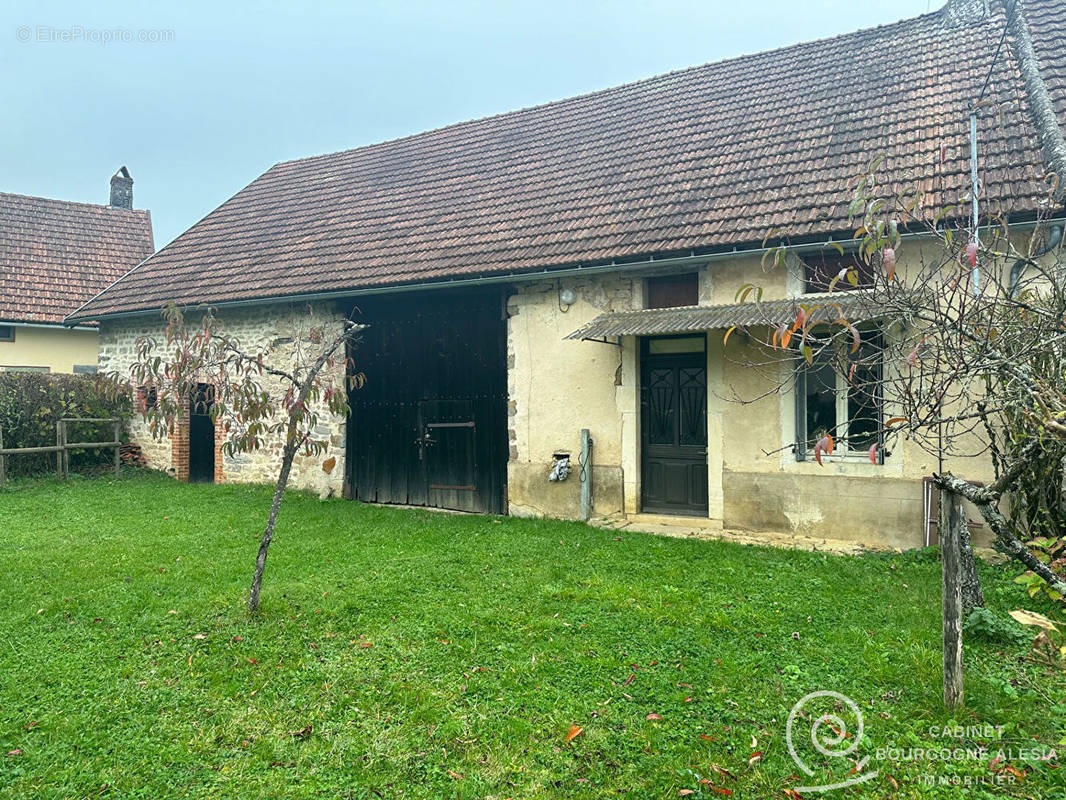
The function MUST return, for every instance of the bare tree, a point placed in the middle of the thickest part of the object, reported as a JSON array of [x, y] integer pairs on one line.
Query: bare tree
[[963, 352], [275, 393]]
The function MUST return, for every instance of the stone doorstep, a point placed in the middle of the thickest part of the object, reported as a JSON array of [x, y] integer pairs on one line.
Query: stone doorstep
[[711, 529]]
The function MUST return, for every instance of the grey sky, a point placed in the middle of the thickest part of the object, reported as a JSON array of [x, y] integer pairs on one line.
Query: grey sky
[[238, 88]]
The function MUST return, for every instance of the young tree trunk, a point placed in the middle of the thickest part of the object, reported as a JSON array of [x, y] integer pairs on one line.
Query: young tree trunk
[[952, 521], [268, 533]]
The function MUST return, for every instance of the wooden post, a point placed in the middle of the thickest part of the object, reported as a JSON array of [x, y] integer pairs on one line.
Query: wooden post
[[60, 452], [118, 447], [3, 466], [952, 520]]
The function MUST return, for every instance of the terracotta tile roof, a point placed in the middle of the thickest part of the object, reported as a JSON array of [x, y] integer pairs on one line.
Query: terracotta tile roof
[[705, 158], [55, 255]]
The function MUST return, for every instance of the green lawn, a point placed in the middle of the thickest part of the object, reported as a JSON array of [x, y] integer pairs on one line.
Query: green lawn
[[420, 654]]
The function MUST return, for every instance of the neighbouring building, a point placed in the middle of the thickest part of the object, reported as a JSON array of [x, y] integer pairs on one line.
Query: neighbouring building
[[576, 265], [54, 256]]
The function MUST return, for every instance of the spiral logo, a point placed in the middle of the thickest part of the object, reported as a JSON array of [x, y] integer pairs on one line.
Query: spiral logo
[[23, 33], [830, 736]]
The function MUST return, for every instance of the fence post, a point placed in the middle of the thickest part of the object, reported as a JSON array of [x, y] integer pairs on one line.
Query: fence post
[[59, 453], [118, 447], [952, 520], [3, 466]]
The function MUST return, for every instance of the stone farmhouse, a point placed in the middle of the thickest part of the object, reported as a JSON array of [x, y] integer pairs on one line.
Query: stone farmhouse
[[574, 266]]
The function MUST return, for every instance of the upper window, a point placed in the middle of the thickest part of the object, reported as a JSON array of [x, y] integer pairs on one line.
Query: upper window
[[672, 291], [7, 333], [25, 369], [86, 369], [840, 394], [821, 266]]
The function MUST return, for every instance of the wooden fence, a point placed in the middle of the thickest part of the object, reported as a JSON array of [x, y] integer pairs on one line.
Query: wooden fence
[[62, 447]]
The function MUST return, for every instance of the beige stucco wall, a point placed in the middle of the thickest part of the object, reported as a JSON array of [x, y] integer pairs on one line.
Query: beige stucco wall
[[59, 349], [558, 386], [257, 330]]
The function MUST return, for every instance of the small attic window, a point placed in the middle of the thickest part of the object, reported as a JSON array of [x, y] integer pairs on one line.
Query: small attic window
[[672, 291], [821, 266], [7, 333]]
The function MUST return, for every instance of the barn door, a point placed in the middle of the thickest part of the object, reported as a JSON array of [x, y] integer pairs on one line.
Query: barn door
[[673, 422], [429, 428], [202, 435], [448, 451]]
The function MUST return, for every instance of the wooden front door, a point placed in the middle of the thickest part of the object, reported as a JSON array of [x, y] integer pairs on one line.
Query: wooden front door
[[202, 435], [673, 423]]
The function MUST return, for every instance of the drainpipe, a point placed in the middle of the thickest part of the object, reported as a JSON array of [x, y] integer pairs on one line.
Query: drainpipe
[[1054, 238], [586, 474]]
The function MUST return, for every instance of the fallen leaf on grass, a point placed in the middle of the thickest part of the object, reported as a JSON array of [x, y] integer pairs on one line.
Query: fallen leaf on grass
[[366, 644], [715, 789], [303, 733], [707, 738], [14, 752], [723, 771], [754, 758], [455, 775], [653, 717], [31, 725], [574, 732], [685, 792], [199, 636], [629, 680]]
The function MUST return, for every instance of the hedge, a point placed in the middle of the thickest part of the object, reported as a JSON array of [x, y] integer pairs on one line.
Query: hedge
[[31, 404]]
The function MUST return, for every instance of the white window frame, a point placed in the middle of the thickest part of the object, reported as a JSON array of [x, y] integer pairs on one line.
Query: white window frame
[[841, 450]]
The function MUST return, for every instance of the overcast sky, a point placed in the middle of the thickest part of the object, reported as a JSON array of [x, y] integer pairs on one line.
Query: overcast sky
[[218, 93]]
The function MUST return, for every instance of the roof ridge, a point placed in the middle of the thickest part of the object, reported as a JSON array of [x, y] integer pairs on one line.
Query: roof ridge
[[70, 202], [609, 89]]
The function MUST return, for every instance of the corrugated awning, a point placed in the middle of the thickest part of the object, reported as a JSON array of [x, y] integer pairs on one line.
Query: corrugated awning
[[827, 307]]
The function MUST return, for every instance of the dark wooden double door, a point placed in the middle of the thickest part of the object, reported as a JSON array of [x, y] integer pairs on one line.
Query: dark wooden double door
[[673, 401], [429, 427]]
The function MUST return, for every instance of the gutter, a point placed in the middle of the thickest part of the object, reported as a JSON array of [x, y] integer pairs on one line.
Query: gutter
[[541, 274], [50, 325]]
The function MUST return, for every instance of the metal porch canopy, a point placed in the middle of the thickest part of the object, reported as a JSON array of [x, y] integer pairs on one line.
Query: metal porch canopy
[[825, 307]]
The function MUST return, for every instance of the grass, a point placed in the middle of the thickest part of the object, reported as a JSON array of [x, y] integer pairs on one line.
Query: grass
[[414, 654]]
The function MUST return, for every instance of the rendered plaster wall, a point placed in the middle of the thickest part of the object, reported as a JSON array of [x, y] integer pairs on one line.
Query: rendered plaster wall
[[56, 349], [267, 328], [558, 386]]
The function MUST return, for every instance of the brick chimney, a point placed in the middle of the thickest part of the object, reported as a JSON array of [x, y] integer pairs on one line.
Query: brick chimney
[[122, 189]]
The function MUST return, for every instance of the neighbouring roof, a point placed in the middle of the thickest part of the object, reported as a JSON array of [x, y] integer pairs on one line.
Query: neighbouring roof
[[825, 307], [703, 159], [55, 255]]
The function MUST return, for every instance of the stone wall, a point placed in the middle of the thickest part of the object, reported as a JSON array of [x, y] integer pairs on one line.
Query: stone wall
[[270, 328]]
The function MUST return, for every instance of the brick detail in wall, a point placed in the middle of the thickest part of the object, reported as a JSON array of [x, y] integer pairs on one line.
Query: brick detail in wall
[[179, 448]]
